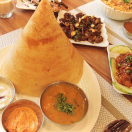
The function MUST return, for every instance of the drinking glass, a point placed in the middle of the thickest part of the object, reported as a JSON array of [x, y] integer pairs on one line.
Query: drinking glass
[[6, 8]]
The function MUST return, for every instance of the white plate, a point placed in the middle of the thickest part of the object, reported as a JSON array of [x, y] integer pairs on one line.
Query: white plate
[[105, 42], [27, 5], [90, 86], [111, 54]]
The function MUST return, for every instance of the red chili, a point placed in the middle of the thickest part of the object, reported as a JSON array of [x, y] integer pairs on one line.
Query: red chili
[[1, 97]]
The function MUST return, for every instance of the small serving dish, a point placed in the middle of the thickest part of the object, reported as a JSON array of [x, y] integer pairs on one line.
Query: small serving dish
[[25, 115], [64, 103], [7, 92], [29, 4], [127, 29], [120, 66], [103, 32], [26, 4]]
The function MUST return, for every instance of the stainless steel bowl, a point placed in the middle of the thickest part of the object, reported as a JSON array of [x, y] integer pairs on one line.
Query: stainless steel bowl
[[23, 103], [73, 86], [8, 97], [128, 34]]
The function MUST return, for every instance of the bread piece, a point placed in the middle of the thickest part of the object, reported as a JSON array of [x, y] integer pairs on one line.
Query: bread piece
[[42, 55]]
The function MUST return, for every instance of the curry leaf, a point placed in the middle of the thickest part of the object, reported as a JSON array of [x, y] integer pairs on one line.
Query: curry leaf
[[63, 106], [126, 1]]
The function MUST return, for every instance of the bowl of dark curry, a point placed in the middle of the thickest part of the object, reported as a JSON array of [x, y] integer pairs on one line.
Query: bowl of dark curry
[[22, 116], [64, 103]]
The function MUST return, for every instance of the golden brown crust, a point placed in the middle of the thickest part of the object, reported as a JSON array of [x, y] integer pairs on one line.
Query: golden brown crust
[[42, 55]]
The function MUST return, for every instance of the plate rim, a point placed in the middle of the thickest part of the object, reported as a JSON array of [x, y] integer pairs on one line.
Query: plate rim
[[96, 91]]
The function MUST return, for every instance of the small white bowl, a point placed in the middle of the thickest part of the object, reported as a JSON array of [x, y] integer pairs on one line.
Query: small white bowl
[[7, 92], [112, 13]]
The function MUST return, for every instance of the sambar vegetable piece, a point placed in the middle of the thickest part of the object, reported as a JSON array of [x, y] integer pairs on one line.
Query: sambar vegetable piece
[[121, 49]]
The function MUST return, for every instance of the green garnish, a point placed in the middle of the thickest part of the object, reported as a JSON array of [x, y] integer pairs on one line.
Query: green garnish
[[128, 59], [62, 106], [126, 1], [80, 25], [72, 22], [128, 71], [119, 64]]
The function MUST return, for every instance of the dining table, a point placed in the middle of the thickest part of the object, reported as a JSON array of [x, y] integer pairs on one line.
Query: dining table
[[113, 105]]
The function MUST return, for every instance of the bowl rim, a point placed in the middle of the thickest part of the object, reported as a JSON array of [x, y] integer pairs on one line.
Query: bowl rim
[[54, 83], [33, 110], [114, 9], [13, 91]]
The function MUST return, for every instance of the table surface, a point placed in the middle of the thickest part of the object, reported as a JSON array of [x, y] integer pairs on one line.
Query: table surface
[[96, 57]]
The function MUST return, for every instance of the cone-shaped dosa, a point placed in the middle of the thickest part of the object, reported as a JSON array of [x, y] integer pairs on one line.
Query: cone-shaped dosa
[[42, 55]]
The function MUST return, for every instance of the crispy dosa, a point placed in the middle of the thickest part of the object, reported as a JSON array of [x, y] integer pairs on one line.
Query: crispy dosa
[[42, 55]]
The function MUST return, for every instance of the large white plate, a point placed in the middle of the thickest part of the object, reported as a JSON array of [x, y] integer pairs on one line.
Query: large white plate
[[90, 86], [105, 42]]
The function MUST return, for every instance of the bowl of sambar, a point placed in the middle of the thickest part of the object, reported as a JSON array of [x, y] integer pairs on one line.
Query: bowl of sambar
[[64, 103]]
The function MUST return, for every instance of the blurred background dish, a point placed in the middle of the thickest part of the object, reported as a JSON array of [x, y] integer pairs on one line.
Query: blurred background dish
[[64, 103], [7, 92], [25, 115], [26, 4], [32, 4], [127, 28], [114, 13]]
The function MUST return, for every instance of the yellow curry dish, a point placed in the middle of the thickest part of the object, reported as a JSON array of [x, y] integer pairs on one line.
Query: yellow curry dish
[[63, 103]]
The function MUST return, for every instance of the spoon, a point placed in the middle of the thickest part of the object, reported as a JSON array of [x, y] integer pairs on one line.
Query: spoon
[[119, 126]]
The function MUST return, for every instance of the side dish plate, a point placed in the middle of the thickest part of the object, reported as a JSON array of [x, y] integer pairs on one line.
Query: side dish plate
[[112, 55], [105, 42], [90, 86], [27, 4]]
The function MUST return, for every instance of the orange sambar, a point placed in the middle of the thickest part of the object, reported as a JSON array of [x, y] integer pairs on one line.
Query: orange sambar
[[49, 98]]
